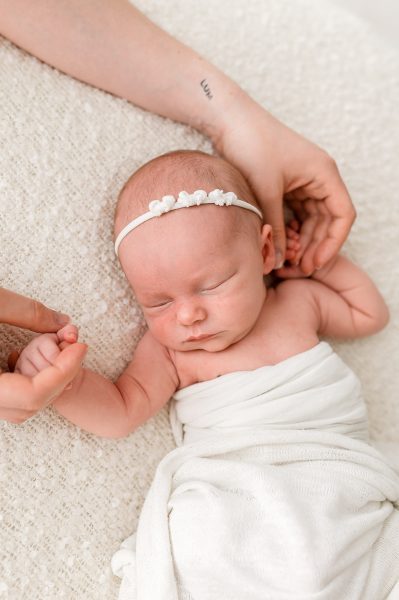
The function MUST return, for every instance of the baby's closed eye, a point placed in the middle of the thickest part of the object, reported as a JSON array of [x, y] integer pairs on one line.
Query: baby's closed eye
[[218, 284]]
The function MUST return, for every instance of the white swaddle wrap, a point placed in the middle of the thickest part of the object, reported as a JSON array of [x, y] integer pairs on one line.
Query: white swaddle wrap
[[274, 493]]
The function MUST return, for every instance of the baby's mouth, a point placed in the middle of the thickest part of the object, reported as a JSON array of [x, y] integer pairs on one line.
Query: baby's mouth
[[197, 338]]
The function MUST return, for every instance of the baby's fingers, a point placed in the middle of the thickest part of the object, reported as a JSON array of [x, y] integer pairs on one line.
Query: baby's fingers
[[52, 381], [293, 244], [69, 334]]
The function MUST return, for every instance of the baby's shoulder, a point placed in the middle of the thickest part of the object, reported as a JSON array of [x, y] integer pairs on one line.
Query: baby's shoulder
[[297, 297], [293, 288]]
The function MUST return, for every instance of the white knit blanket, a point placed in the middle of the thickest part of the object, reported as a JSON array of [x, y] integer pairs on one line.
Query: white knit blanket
[[274, 493]]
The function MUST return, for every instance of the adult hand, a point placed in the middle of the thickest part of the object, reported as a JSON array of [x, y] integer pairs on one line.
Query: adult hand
[[21, 397], [281, 164]]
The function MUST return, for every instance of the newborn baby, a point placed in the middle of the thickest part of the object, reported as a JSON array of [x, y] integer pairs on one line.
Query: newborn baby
[[274, 491]]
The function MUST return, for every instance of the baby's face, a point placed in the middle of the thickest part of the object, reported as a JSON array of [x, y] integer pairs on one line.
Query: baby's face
[[199, 283]]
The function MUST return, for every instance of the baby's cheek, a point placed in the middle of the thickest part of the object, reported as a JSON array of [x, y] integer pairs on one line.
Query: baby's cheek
[[160, 328]]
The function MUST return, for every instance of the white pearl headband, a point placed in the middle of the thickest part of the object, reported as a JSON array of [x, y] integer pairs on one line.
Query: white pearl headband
[[156, 208]]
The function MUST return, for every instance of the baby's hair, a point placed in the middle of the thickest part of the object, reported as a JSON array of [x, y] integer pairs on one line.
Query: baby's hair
[[172, 173]]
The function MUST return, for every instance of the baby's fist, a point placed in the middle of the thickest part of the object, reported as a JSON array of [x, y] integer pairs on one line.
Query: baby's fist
[[42, 351]]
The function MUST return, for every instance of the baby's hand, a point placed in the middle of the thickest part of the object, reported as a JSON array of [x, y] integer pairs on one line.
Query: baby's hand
[[293, 252], [42, 351], [293, 243]]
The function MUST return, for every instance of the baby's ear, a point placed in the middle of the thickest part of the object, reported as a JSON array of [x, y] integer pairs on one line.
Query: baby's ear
[[268, 252]]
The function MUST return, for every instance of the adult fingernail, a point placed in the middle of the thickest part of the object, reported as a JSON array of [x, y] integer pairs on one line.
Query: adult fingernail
[[279, 260], [62, 319]]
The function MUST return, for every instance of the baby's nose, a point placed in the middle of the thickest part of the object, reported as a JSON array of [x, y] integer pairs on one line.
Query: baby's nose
[[190, 312]]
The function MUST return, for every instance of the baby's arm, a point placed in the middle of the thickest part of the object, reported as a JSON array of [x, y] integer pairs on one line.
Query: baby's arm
[[93, 402], [345, 301], [114, 410]]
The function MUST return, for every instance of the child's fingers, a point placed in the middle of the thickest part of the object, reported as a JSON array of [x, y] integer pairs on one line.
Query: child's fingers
[[293, 244], [291, 234], [290, 255], [320, 233], [43, 352], [294, 224], [69, 333], [38, 354], [52, 381]]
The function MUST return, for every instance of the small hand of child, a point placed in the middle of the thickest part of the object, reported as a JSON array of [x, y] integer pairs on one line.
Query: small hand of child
[[293, 244], [42, 351], [293, 252]]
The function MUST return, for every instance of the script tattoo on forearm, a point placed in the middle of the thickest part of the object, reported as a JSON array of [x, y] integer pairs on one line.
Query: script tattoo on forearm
[[206, 89]]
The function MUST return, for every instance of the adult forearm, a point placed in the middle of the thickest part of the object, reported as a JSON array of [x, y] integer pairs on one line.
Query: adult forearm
[[113, 46]]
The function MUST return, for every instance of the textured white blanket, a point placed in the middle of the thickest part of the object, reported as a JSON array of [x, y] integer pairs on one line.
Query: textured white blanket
[[274, 493]]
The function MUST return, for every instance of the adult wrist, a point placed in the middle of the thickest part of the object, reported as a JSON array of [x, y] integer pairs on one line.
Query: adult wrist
[[219, 95]]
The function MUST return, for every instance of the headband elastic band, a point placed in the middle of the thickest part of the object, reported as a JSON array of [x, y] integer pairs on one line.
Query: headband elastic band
[[156, 208]]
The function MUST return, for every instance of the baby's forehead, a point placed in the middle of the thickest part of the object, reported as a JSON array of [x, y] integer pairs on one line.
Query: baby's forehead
[[173, 173], [196, 235]]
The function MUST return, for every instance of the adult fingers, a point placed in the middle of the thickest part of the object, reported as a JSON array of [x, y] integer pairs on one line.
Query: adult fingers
[[28, 313], [50, 382], [337, 233], [339, 205], [20, 395]]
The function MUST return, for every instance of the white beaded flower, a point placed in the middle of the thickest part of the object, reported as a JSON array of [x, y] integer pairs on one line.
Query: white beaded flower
[[229, 198], [217, 197], [168, 202], [186, 199], [155, 207], [159, 207], [199, 196]]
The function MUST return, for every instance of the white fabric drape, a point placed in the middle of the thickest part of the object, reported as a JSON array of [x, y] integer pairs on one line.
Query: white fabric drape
[[274, 493]]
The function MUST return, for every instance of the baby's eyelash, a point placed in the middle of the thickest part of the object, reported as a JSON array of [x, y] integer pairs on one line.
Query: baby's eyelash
[[160, 304], [218, 284]]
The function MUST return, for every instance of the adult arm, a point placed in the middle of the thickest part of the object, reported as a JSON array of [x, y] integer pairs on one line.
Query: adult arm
[[113, 46]]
